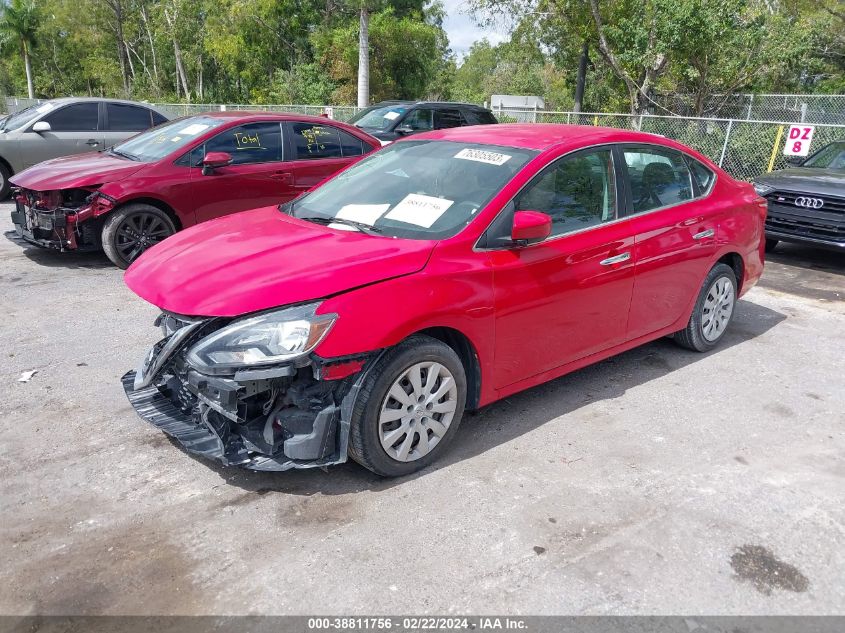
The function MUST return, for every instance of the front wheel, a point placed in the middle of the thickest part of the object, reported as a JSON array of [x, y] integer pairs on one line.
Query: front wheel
[[409, 407], [713, 311], [132, 229], [770, 245]]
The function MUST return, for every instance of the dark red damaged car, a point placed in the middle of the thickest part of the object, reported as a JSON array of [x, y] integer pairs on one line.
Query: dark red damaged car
[[125, 199]]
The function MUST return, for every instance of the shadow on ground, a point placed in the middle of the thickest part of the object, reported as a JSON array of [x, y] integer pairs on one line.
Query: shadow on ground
[[516, 415]]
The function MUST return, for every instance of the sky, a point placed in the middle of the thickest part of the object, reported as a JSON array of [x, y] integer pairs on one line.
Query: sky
[[463, 31]]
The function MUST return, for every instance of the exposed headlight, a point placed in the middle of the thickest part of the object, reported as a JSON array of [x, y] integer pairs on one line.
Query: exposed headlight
[[265, 339], [762, 189]]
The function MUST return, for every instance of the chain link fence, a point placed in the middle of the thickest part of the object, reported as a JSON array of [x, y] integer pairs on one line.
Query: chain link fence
[[761, 107], [745, 149]]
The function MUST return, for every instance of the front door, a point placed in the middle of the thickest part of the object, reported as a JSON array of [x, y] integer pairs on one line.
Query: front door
[[567, 297], [73, 130], [257, 177]]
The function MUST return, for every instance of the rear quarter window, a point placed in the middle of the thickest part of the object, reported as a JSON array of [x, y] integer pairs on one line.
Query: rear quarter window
[[702, 175]]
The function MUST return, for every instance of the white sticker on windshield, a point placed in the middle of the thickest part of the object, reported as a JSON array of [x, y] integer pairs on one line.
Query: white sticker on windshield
[[44, 108], [482, 156], [176, 139], [193, 130], [366, 213], [392, 115], [419, 209]]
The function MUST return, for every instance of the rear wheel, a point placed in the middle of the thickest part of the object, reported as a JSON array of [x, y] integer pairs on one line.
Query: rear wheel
[[4, 181], [409, 407], [713, 311], [770, 245], [132, 229]]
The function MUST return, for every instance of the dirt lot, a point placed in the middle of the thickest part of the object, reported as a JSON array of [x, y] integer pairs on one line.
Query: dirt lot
[[660, 481]]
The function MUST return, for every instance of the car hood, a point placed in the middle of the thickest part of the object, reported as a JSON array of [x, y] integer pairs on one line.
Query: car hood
[[79, 170], [263, 259], [806, 180]]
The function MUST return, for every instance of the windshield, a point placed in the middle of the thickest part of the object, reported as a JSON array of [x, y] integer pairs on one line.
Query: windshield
[[829, 157], [414, 189], [381, 118], [19, 119], [158, 142]]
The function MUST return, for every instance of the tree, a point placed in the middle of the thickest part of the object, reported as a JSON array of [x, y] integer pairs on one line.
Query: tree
[[18, 25]]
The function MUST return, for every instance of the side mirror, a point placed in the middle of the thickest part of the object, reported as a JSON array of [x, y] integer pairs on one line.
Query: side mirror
[[404, 129], [213, 160], [530, 227], [41, 126], [795, 161]]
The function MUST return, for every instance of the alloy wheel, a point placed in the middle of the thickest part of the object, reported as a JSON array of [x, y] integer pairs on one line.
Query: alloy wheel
[[717, 308], [138, 232], [417, 411]]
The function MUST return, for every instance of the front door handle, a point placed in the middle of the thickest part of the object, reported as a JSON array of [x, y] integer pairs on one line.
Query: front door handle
[[284, 176], [702, 234], [92, 142], [616, 259]]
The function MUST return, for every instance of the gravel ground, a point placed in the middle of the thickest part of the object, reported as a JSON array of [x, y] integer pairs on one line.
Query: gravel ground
[[657, 482]]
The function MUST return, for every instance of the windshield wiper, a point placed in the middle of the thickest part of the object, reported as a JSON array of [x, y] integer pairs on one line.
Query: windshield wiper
[[361, 226], [124, 154]]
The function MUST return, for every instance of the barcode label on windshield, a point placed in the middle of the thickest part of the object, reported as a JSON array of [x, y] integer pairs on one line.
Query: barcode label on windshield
[[482, 156]]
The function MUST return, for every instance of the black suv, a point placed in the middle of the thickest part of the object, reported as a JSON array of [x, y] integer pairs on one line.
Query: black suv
[[807, 202], [390, 120]]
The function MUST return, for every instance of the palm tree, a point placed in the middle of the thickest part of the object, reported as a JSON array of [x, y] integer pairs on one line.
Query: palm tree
[[18, 25]]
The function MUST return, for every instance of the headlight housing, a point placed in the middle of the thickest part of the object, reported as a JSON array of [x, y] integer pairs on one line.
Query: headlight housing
[[762, 189], [266, 339]]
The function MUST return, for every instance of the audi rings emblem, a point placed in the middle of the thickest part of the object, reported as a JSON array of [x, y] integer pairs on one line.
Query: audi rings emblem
[[809, 203]]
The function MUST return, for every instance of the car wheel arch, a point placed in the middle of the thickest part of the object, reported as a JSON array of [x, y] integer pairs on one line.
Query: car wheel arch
[[153, 202], [466, 351], [735, 261]]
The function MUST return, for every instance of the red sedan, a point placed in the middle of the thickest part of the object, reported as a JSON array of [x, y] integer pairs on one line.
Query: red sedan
[[440, 274], [139, 192]]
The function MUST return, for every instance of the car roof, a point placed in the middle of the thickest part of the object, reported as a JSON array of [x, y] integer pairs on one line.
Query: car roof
[[543, 136]]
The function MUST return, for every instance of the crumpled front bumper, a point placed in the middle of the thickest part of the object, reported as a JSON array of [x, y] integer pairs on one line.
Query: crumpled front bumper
[[213, 439]]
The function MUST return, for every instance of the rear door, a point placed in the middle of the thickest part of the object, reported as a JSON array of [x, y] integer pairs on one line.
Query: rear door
[[567, 297], [74, 128], [257, 177], [676, 224], [318, 151], [123, 120]]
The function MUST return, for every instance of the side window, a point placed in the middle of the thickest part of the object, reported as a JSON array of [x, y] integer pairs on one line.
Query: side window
[[74, 118], [250, 143], [158, 119], [703, 176], [128, 118], [351, 145], [312, 141], [485, 118], [419, 120], [659, 178], [447, 118], [577, 192]]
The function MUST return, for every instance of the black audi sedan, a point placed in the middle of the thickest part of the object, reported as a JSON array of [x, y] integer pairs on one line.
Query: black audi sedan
[[807, 202]]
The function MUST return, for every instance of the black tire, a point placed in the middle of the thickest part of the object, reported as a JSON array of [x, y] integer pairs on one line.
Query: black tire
[[132, 229], [692, 336], [770, 245], [365, 445], [5, 185]]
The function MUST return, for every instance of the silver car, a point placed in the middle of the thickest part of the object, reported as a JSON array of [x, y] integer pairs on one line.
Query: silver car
[[68, 126]]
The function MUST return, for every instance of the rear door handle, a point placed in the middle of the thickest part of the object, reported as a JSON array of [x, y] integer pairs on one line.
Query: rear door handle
[[702, 234], [284, 176], [92, 142], [616, 259]]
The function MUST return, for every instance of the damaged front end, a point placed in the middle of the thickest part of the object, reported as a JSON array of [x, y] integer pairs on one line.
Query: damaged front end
[[294, 413], [62, 220]]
